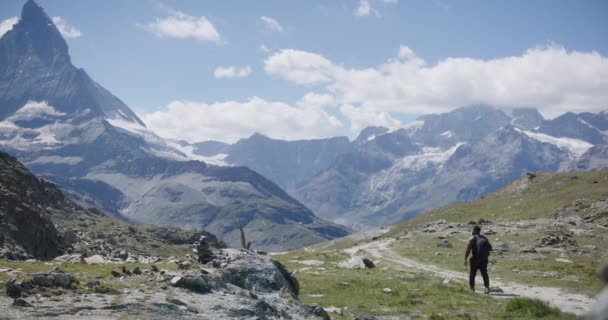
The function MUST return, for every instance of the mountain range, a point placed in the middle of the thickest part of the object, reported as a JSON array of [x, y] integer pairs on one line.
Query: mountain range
[[385, 176], [68, 129]]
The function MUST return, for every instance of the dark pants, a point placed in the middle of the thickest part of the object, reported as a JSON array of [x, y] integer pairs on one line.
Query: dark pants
[[481, 266]]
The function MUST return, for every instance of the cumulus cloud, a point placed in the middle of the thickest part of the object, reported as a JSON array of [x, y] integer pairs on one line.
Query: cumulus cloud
[[231, 120], [232, 72], [300, 67], [183, 26], [271, 24], [550, 78], [67, 30], [7, 25]]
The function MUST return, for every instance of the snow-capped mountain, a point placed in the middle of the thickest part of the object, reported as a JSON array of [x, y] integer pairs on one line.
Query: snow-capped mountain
[[386, 176], [70, 130]]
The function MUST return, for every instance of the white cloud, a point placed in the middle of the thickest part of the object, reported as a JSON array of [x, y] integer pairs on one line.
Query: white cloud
[[231, 120], [264, 48], [318, 100], [271, 23], [67, 30], [550, 78], [362, 117], [7, 25], [184, 26], [232, 72], [365, 8], [300, 66]]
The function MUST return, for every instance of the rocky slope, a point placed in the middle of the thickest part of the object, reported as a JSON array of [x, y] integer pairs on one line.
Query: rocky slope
[[38, 221], [73, 132]]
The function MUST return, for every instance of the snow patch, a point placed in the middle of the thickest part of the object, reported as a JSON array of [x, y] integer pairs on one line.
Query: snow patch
[[574, 146], [448, 134], [429, 156], [33, 110], [372, 137]]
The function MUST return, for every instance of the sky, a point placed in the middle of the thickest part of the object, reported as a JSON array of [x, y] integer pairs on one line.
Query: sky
[[222, 70]]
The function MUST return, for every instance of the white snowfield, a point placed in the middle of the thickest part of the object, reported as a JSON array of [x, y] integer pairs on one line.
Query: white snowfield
[[575, 146]]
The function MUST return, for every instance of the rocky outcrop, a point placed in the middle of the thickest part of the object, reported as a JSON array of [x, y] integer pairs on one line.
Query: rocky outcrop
[[26, 229], [243, 284]]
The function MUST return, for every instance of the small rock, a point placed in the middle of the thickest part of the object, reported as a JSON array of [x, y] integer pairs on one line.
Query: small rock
[[445, 244], [175, 280], [333, 309], [137, 271], [178, 302], [529, 250], [563, 260], [21, 303], [387, 290], [154, 268], [116, 274], [365, 317], [356, 262]]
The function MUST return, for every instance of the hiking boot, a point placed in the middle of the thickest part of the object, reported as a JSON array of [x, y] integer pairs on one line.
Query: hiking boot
[[486, 290]]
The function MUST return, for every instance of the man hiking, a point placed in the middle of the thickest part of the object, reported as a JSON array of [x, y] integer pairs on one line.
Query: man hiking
[[480, 247]]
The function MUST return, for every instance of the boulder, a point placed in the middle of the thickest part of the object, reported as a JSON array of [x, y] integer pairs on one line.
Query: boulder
[[96, 259], [14, 289], [123, 255], [356, 262], [252, 271], [199, 284], [69, 258]]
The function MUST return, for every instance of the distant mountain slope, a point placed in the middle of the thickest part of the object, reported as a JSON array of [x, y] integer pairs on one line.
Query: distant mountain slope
[[385, 176], [37, 220], [71, 131]]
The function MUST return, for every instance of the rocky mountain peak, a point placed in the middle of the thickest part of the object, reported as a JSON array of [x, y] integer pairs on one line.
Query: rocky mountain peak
[[36, 35]]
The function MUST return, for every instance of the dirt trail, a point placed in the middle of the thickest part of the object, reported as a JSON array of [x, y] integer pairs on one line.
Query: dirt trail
[[568, 302]]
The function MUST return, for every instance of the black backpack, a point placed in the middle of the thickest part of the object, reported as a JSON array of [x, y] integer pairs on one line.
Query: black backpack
[[483, 248]]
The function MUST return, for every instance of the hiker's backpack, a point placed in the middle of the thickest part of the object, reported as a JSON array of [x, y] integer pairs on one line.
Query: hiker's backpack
[[483, 248]]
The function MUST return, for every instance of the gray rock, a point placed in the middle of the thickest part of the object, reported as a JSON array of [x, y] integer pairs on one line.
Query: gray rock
[[123, 254], [21, 303], [445, 244], [356, 262], [529, 250], [259, 273], [96, 259], [365, 317], [69, 258], [43, 280], [199, 284], [14, 289]]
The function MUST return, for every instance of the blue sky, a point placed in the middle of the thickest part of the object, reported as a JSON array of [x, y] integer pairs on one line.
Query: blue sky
[[323, 48]]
